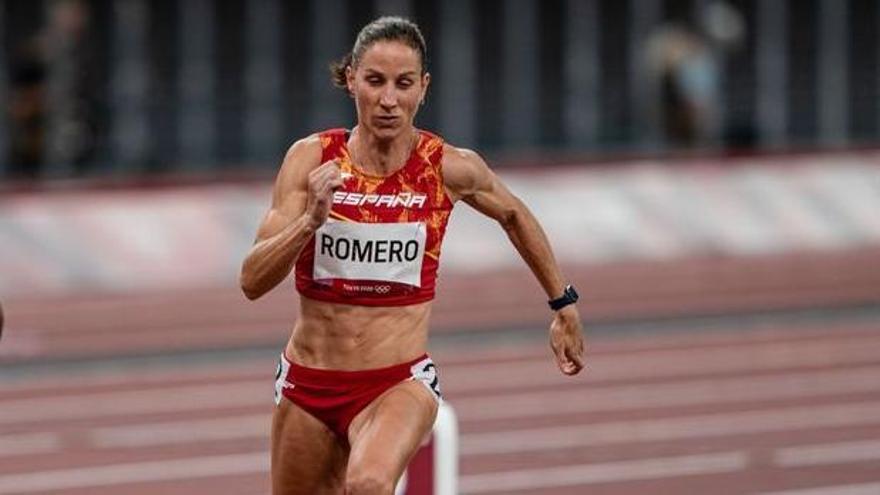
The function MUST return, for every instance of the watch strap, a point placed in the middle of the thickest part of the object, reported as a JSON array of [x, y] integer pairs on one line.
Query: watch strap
[[569, 296]]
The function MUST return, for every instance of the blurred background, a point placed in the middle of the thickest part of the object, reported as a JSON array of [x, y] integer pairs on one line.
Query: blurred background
[[708, 172], [132, 88]]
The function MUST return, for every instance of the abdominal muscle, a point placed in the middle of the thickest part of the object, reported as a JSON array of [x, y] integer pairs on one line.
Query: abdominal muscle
[[347, 337]]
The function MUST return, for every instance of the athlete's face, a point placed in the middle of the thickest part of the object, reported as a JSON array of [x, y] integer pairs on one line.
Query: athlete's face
[[388, 86]]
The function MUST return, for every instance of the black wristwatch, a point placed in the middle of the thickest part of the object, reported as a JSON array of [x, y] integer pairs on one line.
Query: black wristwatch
[[569, 296]]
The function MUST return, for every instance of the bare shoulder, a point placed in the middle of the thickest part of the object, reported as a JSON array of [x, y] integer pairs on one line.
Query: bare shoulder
[[302, 157], [464, 171], [455, 159]]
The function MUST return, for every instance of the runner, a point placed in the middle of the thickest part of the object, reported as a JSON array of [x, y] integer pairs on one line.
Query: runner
[[359, 215]]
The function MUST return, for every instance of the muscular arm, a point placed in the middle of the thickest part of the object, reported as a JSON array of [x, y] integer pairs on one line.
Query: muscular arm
[[300, 203], [468, 178]]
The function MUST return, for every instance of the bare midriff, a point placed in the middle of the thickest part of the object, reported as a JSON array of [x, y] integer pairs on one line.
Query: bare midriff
[[348, 337]]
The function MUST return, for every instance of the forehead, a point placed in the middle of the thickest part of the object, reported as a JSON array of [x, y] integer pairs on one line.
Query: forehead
[[390, 57]]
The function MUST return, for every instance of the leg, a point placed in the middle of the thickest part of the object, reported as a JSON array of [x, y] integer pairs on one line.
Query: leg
[[386, 435], [307, 458]]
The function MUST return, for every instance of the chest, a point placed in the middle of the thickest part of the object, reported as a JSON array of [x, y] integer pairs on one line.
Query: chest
[[410, 195]]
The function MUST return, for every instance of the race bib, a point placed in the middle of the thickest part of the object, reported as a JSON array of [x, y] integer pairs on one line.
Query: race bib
[[388, 252]]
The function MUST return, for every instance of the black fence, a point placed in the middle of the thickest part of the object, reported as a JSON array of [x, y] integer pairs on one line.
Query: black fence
[[121, 87]]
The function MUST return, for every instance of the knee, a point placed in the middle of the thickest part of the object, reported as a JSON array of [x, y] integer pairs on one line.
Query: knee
[[368, 482]]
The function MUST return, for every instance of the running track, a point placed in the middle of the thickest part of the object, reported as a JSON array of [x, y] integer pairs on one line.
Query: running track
[[769, 410]]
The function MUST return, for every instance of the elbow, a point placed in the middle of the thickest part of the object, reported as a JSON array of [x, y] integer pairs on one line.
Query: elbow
[[251, 293], [250, 286], [256, 280]]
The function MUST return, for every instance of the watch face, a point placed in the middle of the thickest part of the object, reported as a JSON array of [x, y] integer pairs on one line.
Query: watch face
[[570, 292]]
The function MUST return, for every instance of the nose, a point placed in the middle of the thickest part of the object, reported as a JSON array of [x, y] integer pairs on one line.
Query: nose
[[388, 98]]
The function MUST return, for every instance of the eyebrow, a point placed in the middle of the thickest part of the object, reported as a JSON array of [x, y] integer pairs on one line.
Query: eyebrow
[[376, 72]]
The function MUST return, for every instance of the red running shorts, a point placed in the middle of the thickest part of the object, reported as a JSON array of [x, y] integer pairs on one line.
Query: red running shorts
[[336, 397]]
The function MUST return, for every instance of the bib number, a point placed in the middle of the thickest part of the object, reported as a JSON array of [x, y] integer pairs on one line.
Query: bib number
[[386, 252]]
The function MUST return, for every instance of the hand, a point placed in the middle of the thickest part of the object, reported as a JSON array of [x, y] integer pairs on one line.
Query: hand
[[322, 182], [567, 340]]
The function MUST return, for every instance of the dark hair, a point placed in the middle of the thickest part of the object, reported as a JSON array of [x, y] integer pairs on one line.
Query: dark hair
[[387, 28]]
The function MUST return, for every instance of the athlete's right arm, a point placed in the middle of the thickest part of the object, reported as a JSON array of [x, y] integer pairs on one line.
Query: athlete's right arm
[[301, 202]]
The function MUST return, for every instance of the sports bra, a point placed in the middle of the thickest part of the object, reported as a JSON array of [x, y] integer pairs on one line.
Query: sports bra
[[380, 245]]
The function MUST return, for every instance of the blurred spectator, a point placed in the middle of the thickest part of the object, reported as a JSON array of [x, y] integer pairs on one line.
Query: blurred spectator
[[27, 111], [72, 91], [684, 65], [52, 106]]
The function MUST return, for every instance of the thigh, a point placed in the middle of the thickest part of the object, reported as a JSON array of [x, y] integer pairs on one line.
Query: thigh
[[386, 434], [307, 458]]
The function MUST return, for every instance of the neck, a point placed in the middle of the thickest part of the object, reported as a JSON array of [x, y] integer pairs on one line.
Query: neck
[[381, 156]]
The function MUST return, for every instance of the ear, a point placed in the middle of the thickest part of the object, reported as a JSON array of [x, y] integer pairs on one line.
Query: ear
[[426, 81], [349, 79]]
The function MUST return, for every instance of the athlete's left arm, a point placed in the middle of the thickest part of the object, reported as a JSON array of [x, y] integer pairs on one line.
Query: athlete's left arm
[[468, 178]]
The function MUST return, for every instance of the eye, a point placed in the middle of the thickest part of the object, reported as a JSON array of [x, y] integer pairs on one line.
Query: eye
[[405, 83], [374, 80]]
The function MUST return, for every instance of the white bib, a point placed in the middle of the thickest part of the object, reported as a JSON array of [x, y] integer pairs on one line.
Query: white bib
[[388, 252]]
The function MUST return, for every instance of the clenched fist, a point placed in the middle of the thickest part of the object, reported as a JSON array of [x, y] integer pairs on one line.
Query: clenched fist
[[567, 340], [322, 182]]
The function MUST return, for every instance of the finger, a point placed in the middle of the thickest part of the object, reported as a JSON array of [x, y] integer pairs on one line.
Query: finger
[[575, 365], [578, 350], [557, 352], [328, 180], [336, 183], [328, 164], [569, 368], [324, 170], [326, 175], [575, 357], [565, 365], [332, 169], [319, 188], [333, 177]]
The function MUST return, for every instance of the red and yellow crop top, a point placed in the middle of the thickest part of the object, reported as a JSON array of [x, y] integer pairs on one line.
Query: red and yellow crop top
[[381, 244]]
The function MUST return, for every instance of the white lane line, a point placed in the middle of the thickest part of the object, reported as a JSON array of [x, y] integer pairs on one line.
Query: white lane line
[[136, 472], [831, 453], [671, 363], [529, 440], [136, 378], [188, 432], [609, 472], [716, 353], [684, 393], [133, 402], [28, 443], [855, 489], [534, 370], [671, 429], [579, 398]]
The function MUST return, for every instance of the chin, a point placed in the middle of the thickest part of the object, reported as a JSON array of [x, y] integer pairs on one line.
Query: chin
[[387, 132]]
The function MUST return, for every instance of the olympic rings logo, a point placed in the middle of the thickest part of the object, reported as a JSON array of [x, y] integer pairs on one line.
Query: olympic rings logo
[[383, 289]]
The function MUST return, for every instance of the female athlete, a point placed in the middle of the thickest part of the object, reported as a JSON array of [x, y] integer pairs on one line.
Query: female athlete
[[359, 216]]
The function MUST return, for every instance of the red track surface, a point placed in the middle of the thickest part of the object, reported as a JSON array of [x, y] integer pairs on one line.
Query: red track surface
[[93, 325], [721, 412]]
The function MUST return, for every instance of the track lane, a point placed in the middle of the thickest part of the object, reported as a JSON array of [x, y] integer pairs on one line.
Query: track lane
[[725, 409]]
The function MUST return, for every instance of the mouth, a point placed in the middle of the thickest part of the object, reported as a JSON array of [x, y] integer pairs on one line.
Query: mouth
[[387, 120]]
